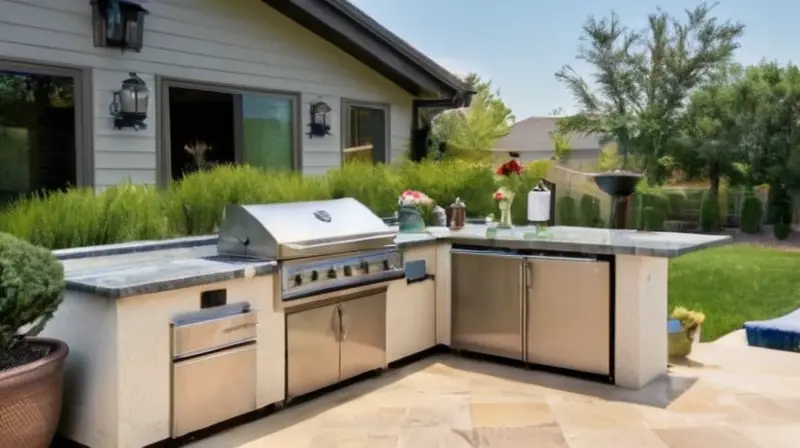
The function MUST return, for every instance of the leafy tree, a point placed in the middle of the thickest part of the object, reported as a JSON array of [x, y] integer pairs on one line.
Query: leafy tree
[[642, 79], [473, 131], [713, 125]]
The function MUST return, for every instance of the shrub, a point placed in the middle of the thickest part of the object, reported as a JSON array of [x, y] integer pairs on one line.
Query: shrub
[[193, 205], [677, 205], [590, 211], [709, 214], [752, 211], [781, 230], [781, 207], [649, 209], [567, 211], [31, 284]]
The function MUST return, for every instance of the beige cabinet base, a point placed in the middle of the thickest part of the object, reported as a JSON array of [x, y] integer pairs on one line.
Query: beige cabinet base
[[410, 318]]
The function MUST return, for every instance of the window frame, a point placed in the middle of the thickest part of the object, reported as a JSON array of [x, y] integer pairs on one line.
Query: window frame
[[163, 148], [346, 105], [82, 103]]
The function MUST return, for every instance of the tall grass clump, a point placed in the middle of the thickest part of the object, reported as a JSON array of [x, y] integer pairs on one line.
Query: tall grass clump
[[194, 204], [80, 217]]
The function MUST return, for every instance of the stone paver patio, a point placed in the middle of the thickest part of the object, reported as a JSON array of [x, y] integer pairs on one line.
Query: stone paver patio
[[728, 396]]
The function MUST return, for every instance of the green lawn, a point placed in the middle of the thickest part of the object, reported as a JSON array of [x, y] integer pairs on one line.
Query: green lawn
[[734, 284]]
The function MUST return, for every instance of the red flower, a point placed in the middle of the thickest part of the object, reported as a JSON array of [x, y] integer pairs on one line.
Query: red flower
[[509, 168]]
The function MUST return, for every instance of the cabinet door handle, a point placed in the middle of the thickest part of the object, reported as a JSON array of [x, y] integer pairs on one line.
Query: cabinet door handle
[[345, 321], [337, 323]]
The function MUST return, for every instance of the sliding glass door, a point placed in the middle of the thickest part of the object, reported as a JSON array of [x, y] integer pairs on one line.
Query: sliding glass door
[[209, 125], [268, 132]]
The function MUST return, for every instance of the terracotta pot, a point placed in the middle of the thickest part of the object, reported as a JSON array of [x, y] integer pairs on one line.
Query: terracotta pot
[[30, 398]]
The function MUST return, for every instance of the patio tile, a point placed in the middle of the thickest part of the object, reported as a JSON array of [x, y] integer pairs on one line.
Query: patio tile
[[437, 437], [453, 402], [717, 436], [601, 415], [454, 416], [772, 437], [351, 439], [614, 438], [511, 414], [527, 436]]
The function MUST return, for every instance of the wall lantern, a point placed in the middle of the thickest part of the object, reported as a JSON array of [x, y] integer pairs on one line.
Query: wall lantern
[[129, 107], [118, 24], [318, 125]]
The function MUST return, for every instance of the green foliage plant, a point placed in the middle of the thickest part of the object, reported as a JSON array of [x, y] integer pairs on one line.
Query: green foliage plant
[[31, 287]]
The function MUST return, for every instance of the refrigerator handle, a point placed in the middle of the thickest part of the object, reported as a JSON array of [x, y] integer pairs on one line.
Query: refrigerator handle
[[344, 317]]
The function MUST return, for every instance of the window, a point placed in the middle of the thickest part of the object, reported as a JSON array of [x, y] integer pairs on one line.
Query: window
[[366, 132], [209, 125], [40, 130]]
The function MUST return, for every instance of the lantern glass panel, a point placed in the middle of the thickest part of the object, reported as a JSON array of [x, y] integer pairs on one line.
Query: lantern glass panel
[[141, 101]]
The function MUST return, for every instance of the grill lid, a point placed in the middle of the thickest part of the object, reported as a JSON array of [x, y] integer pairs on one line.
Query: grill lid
[[301, 229]]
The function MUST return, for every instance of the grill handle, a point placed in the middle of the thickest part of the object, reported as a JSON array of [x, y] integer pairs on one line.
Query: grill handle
[[300, 246]]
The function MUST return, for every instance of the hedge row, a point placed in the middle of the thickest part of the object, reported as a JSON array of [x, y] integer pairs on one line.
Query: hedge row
[[192, 206]]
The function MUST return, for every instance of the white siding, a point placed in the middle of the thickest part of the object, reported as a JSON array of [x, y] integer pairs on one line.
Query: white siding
[[235, 42]]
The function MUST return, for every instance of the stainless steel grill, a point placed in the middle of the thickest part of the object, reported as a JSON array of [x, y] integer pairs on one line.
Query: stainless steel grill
[[321, 246], [336, 259], [301, 229]]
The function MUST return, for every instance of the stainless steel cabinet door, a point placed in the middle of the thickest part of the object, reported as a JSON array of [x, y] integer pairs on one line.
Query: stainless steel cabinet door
[[363, 346], [487, 298], [312, 344], [568, 314], [213, 388]]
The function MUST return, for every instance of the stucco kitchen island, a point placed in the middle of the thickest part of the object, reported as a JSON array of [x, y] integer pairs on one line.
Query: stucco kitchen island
[[122, 302]]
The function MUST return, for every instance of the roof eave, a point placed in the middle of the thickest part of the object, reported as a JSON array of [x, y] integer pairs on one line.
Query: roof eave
[[348, 28]]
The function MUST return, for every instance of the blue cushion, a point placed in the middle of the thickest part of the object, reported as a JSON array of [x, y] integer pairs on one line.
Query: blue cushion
[[781, 333]]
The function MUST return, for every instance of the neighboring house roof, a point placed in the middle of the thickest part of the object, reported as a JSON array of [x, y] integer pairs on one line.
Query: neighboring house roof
[[356, 33], [533, 135]]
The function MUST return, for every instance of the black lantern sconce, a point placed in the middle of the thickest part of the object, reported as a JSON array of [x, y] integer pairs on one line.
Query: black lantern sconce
[[129, 107], [318, 125], [118, 24]]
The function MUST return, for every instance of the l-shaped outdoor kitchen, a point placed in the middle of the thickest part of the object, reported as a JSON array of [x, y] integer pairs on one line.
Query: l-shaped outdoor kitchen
[[169, 337]]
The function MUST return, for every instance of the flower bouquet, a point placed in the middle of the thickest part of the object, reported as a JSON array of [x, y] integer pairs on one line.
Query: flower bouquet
[[504, 198], [412, 208], [509, 177]]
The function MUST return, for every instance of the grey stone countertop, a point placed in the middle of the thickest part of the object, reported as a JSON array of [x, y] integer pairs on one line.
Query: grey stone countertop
[[571, 239], [147, 272], [149, 267]]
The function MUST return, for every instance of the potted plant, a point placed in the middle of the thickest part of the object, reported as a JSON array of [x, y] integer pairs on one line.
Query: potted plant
[[680, 342], [31, 368], [414, 211]]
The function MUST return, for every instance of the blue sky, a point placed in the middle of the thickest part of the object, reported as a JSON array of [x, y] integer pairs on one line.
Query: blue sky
[[520, 44]]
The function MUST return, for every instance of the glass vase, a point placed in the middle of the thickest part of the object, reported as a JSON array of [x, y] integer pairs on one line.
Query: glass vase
[[410, 219], [505, 214]]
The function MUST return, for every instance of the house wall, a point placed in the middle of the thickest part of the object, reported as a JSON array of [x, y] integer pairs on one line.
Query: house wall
[[242, 43]]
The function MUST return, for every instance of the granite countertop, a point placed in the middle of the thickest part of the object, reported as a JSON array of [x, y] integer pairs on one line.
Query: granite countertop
[[116, 274], [148, 267], [576, 239]]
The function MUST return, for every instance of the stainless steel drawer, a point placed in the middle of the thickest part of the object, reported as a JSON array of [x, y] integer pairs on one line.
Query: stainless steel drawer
[[212, 334], [213, 388]]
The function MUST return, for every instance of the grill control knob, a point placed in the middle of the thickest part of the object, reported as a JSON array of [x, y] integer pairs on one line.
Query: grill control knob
[[331, 273], [364, 266], [348, 271], [386, 265], [298, 279], [314, 276]]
